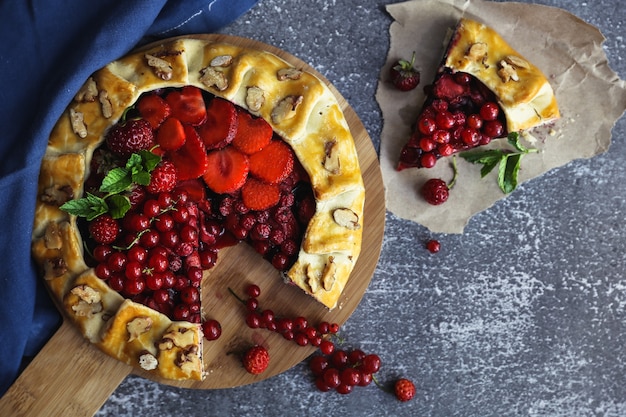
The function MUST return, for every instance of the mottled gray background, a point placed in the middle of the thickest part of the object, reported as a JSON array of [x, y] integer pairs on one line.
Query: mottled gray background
[[523, 314]]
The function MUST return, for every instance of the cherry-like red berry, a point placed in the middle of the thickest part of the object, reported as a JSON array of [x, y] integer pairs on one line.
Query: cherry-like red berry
[[435, 191]]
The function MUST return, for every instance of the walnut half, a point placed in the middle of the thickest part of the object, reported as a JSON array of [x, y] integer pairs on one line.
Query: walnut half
[[346, 218], [161, 67], [138, 326]]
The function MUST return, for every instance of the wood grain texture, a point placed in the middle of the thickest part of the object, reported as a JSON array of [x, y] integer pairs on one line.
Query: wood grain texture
[[70, 377]]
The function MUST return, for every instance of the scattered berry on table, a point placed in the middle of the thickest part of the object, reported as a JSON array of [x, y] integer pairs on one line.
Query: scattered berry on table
[[404, 389], [404, 75], [435, 191], [256, 360]]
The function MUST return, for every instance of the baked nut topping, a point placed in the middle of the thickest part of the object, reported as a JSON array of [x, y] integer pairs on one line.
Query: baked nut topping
[[161, 67], [54, 268], [347, 218], [478, 52], [288, 74], [52, 236], [255, 98], [212, 78], [516, 61], [148, 361], [221, 61], [78, 123], [88, 92], [332, 162], [105, 103], [56, 195], [138, 326], [329, 276], [286, 109], [89, 301], [507, 72]]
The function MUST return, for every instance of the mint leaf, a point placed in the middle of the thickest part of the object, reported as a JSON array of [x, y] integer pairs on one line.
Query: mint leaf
[[507, 174], [149, 160], [116, 181], [141, 177], [482, 157], [118, 205], [89, 207], [489, 165]]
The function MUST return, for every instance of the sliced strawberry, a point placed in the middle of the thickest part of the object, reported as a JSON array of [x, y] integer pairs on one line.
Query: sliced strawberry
[[258, 195], [220, 126], [191, 159], [187, 105], [447, 88], [194, 188], [171, 135], [154, 109], [273, 163], [253, 133], [227, 171]]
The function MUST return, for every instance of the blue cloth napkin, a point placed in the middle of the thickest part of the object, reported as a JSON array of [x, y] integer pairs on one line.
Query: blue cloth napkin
[[47, 50]]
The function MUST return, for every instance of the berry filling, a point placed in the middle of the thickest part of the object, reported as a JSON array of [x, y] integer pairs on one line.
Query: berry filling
[[183, 176], [459, 113]]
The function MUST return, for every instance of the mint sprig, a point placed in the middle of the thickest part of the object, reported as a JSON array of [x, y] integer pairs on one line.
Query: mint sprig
[[508, 162], [117, 181]]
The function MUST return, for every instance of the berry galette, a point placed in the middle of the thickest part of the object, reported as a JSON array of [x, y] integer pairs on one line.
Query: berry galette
[[483, 90], [167, 156]]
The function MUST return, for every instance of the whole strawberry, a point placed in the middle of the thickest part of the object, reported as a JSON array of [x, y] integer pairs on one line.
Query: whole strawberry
[[404, 75], [104, 229], [256, 360], [404, 389], [130, 137], [162, 178]]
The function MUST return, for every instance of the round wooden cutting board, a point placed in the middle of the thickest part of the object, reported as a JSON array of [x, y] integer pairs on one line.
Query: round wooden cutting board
[[78, 378]]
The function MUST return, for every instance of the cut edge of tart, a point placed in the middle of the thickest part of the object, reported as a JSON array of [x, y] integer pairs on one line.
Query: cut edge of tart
[[300, 108], [499, 74]]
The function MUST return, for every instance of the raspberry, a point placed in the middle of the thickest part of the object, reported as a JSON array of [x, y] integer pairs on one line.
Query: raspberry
[[435, 191], [104, 229]]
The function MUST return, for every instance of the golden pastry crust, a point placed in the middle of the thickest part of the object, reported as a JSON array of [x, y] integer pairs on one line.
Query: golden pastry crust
[[522, 89], [298, 106]]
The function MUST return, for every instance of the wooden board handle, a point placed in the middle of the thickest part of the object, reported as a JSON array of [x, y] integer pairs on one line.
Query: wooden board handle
[[60, 380]]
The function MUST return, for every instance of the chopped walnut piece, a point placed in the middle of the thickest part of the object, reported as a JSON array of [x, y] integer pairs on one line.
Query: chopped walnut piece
[[346, 218], [148, 361], [288, 74], [180, 337], [138, 326], [312, 279], [87, 294], [161, 67], [329, 276], [54, 268], [57, 195], [516, 61], [78, 123], [478, 52], [211, 77], [507, 72], [286, 108], [105, 104], [52, 236], [89, 301], [255, 98], [188, 360], [221, 61], [88, 92], [332, 162]]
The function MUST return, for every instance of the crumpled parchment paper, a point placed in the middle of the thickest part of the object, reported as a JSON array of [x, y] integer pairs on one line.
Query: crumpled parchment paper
[[569, 51]]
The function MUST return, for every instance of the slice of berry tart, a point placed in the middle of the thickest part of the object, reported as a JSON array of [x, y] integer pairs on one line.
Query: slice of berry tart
[[483, 90], [167, 156]]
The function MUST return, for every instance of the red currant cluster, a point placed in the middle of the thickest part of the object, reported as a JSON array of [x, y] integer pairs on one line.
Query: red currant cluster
[[342, 370], [155, 260], [333, 368], [297, 329], [460, 114]]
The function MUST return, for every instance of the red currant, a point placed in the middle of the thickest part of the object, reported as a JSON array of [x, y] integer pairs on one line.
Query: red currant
[[433, 246], [489, 111], [212, 329]]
